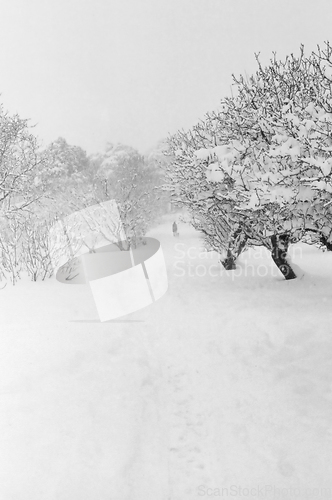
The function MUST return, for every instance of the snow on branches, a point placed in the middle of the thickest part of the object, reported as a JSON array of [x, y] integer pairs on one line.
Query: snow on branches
[[265, 155]]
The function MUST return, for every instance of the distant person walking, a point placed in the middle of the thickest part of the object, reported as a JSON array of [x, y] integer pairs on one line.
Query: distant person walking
[[175, 229]]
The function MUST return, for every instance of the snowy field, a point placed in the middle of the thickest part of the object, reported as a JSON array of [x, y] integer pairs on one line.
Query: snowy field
[[221, 389]]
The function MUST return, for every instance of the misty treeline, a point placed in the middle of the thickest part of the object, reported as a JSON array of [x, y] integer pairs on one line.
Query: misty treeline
[[258, 170], [40, 186]]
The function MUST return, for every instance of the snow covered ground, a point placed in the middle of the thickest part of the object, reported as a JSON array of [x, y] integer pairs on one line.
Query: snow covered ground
[[221, 389]]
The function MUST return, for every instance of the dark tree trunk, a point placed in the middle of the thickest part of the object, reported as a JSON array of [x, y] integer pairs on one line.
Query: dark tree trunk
[[322, 238], [229, 262], [279, 255], [235, 248], [325, 242]]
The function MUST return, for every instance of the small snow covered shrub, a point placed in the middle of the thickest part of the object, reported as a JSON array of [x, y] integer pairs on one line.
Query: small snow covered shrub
[[36, 248], [10, 249]]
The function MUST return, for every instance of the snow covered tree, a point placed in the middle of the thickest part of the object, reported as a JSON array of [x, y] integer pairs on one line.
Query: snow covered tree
[[105, 163], [280, 161], [124, 175], [65, 179], [268, 152], [65, 159], [194, 184], [19, 160], [158, 161]]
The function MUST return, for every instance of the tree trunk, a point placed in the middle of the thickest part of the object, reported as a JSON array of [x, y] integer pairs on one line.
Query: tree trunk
[[229, 262], [325, 242], [279, 253], [235, 248], [322, 238]]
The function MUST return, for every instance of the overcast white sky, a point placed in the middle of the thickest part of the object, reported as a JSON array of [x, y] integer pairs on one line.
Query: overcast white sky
[[132, 71]]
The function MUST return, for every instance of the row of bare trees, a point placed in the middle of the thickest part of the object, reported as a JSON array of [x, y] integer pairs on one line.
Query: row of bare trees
[[25, 248], [39, 187]]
